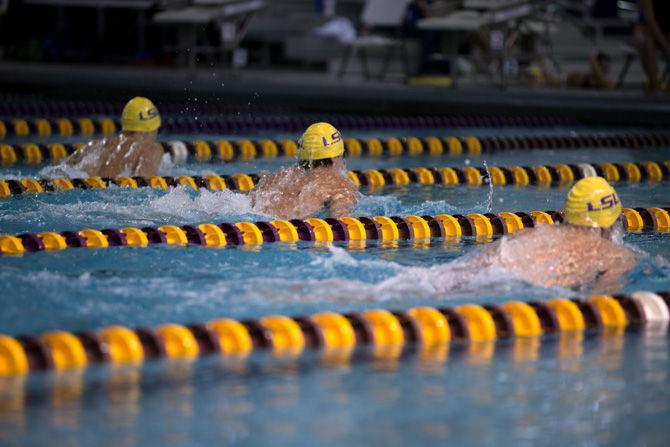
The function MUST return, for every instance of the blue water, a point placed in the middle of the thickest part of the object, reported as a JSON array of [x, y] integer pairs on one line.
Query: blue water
[[609, 391]]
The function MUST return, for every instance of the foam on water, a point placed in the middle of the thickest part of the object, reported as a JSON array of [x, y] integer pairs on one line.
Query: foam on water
[[62, 170], [456, 278], [115, 207], [167, 165], [489, 200], [181, 202], [442, 282], [462, 277], [389, 205]]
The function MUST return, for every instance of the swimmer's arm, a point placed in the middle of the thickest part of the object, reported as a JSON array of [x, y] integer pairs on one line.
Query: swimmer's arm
[[609, 280], [263, 184], [81, 153], [337, 202], [341, 203], [339, 196], [266, 181]]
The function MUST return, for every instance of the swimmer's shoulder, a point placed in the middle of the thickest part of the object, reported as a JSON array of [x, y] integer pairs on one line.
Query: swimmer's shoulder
[[93, 144], [330, 184], [111, 141], [540, 235], [581, 237], [84, 151], [155, 153], [617, 250], [285, 173], [268, 179], [157, 149], [556, 229], [336, 180]]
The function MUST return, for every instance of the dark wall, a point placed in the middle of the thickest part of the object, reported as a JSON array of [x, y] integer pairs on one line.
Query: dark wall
[[40, 33]]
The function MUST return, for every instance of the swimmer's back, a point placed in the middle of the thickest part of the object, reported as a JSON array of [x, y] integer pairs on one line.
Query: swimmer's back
[[118, 155], [561, 256], [297, 193]]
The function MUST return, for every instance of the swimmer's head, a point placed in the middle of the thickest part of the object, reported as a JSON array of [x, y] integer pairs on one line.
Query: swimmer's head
[[320, 141], [140, 115], [592, 202]]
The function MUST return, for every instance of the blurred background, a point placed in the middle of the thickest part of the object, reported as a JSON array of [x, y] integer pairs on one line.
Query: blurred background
[[537, 42], [566, 44]]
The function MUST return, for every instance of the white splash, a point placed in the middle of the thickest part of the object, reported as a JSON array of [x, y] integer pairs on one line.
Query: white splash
[[456, 276], [62, 170], [390, 205], [341, 257], [90, 160], [180, 202], [489, 201], [178, 206], [166, 165]]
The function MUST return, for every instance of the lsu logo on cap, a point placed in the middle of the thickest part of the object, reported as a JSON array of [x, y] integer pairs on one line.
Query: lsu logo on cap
[[606, 202], [140, 115], [334, 139], [145, 115], [321, 140], [592, 202]]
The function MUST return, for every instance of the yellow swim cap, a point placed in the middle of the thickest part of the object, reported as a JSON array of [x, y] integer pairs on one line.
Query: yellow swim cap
[[592, 202], [140, 115], [320, 140]]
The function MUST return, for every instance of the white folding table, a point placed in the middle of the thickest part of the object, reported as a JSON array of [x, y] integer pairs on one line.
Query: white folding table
[[459, 25], [232, 18]]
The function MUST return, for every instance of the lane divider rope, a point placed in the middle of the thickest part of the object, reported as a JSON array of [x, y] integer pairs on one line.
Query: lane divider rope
[[232, 150], [545, 176], [355, 231], [387, 332], [87, 126]]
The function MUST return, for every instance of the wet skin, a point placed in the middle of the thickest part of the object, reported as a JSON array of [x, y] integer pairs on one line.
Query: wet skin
[[564, 255], [130, 154], [295, 193]]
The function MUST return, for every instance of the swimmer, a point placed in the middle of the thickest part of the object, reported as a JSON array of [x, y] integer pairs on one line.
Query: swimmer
[[318, 181], [134, 152], [597, 77], [582, 251]]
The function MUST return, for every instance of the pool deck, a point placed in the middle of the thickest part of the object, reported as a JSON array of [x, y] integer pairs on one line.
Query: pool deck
[[320, 92]]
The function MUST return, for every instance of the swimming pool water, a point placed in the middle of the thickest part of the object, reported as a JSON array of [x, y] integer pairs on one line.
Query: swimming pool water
[[604, 390]]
